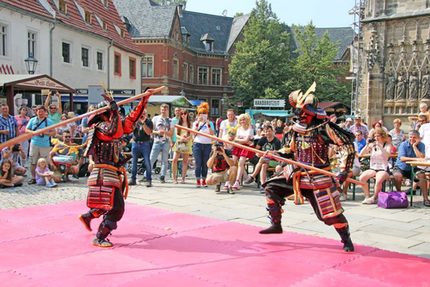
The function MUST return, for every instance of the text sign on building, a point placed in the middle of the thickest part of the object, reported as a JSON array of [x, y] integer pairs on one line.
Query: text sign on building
[[269, 103]]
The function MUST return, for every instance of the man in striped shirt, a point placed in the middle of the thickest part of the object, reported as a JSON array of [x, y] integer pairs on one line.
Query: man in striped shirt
[[8, 124]]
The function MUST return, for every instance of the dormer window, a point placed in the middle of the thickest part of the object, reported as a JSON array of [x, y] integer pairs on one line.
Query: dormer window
[[88, 17], [122, 33], [105, 26], [208, 42], [105, 3], [62, 6]]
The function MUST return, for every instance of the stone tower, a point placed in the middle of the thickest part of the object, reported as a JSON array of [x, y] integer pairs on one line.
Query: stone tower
[[395, 59]]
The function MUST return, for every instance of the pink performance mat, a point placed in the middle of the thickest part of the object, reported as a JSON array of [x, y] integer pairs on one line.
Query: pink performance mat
[[48, 246]]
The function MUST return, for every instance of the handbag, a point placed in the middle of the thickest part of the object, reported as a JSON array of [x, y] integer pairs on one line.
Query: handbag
[[181, 147], [394, 199]]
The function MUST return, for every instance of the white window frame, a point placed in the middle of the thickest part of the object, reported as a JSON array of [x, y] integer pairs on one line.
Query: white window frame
[[145, 70], [185, 72], [4, 39], [70, 52], [103, 60], [89, 57], [32, 43], [213, 77], [192, 76], [200, 77], [175, 68]]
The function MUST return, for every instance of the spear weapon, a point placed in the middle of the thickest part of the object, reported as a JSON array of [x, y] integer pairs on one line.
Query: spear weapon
[[271, 156], [29, 135]]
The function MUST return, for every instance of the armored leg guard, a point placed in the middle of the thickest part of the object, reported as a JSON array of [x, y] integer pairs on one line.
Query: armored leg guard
[[90, 215], [275, 215], [346, 239], [105, 229]]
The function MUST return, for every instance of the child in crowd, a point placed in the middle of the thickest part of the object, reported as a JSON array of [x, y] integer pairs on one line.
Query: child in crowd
[[44, 176], [7, 177]]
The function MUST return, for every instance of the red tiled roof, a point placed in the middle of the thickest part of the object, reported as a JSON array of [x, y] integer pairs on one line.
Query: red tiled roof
[[74, 19], [29, 5]]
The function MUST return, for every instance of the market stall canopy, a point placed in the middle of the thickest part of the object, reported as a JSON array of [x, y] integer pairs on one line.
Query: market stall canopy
[[196, 102], [33, 82], [177, 101], [269, 113]]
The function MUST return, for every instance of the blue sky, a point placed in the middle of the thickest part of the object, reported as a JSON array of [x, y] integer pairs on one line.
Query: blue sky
[[323, 13]]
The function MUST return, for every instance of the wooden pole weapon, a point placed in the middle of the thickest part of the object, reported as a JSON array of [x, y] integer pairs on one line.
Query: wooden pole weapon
[[269, 155], [29, 135]]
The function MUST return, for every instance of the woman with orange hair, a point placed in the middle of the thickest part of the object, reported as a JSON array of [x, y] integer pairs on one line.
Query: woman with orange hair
[[202, 145]]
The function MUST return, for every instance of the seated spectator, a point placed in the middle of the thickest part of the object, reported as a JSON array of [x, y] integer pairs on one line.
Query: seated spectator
[[409, 150], [223, 169], [64, 157], [44, 176], [269, 143], [375, 125], [360, 141], [17, 156], [7, 176], [422, 120], [244, 136], [379, 164], [397, 134]]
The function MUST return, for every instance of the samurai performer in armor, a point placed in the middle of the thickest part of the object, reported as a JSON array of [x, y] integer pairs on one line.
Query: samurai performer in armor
[[311, 137], [107, 182]]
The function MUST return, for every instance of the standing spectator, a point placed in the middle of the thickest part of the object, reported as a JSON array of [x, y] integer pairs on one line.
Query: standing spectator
[[183, 146], [84, 124], [141, 146], [360, 142], [244, 136], [40, 144], [397, 135], [228, 123], [425, 136], [202, 145], [409, 150], [55, 110], [162, 132], [22, 121], [279, 130], [376, 125], [359, 126], [8, 125], [175, 121], [379, 165], [348, 124]]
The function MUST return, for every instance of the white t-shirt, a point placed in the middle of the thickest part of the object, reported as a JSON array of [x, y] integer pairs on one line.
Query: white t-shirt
[[379, 159], [203, 128], [226, 125], [425, 136], [243, 134], [161, 123]]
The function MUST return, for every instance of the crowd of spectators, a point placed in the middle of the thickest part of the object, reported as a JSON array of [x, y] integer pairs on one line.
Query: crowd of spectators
[[49, 158]]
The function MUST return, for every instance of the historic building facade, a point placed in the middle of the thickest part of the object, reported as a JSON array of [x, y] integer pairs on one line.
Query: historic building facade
[[394, 59]]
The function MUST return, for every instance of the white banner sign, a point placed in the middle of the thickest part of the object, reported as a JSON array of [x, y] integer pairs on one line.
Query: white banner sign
[[269, 103]]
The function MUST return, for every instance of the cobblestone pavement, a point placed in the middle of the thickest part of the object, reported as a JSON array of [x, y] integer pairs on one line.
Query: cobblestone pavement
[[401, 230]]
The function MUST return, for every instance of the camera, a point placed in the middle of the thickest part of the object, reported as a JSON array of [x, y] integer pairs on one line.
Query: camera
[[53, 92], [218, 146], [371, 140], [16, 147]]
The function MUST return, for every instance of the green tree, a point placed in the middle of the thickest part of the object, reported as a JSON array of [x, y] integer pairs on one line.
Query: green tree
[[171, 2], [260, 64], [315, 62]]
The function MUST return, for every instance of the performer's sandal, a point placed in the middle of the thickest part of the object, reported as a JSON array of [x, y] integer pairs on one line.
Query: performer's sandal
[[105, 243], [86, 222]]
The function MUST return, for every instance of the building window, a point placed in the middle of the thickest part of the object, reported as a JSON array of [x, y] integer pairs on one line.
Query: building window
[[117, 64], [148, 67], [203, 76], [85, 56], [185, 73], [175, 68], [66, 53], [215, 107], [99, 61], [191, 74], [31, 44], [62, 6], [216, 77], [3, 40], [88, 17], [105, 3], [132, 67]]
